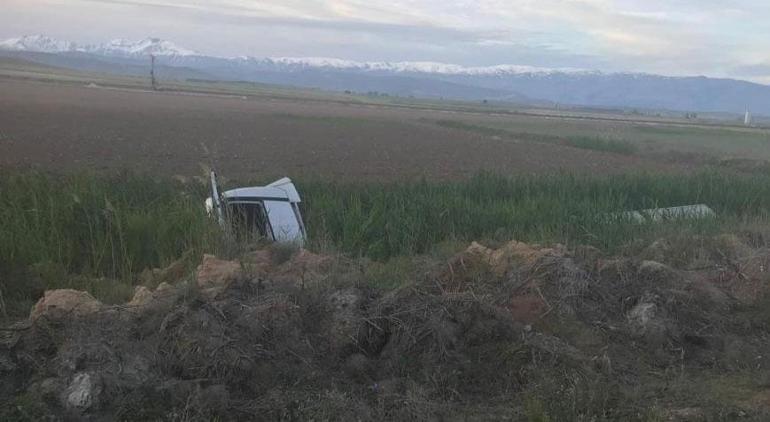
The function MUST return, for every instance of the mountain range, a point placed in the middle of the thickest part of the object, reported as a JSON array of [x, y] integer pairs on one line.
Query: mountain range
[[501, 83]]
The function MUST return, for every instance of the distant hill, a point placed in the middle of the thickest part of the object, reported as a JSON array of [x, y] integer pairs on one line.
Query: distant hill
[[509, 83], [94, 63]]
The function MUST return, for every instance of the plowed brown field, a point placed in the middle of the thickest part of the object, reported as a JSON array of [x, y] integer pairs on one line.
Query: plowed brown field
[[64, 127]]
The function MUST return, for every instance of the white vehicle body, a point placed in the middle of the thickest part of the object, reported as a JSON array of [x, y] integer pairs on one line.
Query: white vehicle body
[[272, 210], [654, 215]]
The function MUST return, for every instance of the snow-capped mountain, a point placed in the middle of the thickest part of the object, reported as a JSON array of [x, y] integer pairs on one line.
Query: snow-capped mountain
[[38, 43], [299, 63], [145, 47], [510, 83], [159, 47], [119, 47]]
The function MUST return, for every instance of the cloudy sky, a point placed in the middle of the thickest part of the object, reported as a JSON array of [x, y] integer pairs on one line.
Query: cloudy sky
[[723, 38]]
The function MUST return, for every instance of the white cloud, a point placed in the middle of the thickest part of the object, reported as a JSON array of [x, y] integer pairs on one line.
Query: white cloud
[[714, 37]]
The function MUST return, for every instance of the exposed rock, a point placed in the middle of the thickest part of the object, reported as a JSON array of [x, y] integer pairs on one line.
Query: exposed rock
[[174, 272], [519, 254], [57, 305], [756, 266], [82, 393], [466, 266], [478, 259], [142, 296], [478, 250], [164, 287], [215, 275], [687, 414], [641, 315], [145, 300], [345, 307], [646, 320]]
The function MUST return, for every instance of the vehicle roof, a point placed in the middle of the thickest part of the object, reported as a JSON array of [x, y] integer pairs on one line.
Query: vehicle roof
[[287, 186], [282, 189], [257, 193]]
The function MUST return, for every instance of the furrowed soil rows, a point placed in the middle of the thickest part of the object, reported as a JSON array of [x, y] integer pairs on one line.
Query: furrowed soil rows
[[67, 127]]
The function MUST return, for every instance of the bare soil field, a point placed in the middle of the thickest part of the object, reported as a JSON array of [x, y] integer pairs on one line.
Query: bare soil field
[[55, 126]]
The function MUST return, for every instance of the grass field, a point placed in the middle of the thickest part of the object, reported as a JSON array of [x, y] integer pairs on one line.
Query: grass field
[[595, 143], [645, 139], [117, 226]]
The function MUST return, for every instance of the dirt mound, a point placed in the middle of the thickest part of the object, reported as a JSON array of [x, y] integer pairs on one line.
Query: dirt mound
[[215, 275], [61, 305], [490, 334], [498, 262]]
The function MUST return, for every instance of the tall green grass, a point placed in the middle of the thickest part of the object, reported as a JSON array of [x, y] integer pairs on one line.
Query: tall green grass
[[617, 146], [381, 221], [116, 226], [112, 226], [99, 226]]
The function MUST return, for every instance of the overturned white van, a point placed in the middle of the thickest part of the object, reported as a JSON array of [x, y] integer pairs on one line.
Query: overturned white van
[[271, 212]]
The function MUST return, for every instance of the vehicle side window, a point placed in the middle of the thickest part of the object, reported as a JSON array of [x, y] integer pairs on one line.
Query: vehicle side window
[[283, 220], [248, 219]]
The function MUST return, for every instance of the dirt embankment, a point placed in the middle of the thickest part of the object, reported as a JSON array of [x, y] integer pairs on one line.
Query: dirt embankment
[[515, 332]]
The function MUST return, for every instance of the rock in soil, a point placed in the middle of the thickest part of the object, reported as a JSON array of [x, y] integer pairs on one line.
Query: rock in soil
[[59, 305]]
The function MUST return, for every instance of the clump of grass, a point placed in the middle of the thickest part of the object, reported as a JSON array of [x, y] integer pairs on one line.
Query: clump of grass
[[484, 130], [616, 146], [501, 133]]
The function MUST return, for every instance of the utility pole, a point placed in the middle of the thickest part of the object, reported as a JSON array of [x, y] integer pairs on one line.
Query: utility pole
[[152, 73]]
